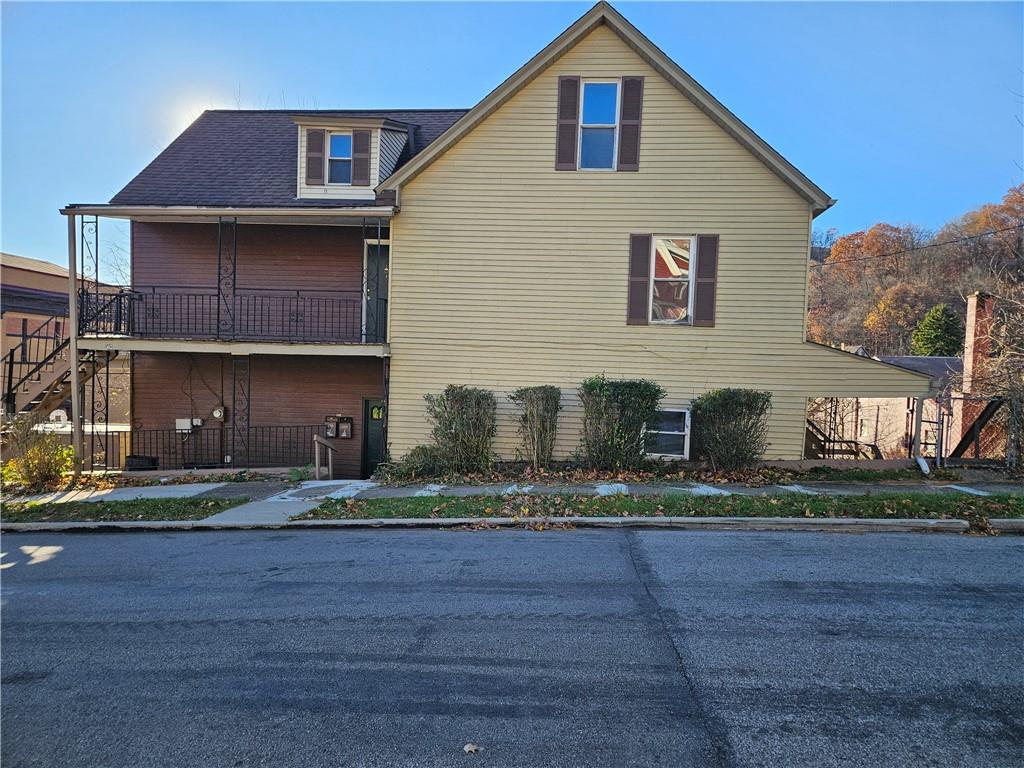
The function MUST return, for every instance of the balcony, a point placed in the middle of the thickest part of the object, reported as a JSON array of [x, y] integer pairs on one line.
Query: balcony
[[170, 312]]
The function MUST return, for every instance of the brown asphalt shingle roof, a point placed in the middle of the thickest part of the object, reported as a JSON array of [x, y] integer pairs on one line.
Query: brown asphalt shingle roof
[[247, 158]]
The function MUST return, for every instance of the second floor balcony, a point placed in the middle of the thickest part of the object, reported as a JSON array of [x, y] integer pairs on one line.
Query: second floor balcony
[[296, 316]]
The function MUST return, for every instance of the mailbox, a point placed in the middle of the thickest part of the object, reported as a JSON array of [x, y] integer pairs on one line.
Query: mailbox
[[339, 427]]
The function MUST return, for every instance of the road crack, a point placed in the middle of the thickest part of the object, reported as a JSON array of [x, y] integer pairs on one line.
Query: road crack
[[716, 731]]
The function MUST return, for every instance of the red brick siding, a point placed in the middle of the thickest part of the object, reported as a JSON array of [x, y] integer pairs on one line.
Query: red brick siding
[[279, 257], [284, 391]]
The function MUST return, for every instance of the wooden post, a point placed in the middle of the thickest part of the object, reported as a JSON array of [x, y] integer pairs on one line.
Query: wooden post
[[316, 458], [76, 384]]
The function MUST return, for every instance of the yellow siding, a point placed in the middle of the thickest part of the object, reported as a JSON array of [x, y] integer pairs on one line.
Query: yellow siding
[[506, 273]]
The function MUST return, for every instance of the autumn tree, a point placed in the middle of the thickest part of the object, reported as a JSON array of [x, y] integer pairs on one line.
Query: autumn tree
[[940, 333]]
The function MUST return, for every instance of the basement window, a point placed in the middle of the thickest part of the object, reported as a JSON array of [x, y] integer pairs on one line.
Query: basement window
[[671, 297], [667, 435], [339, 161], [599, 125]]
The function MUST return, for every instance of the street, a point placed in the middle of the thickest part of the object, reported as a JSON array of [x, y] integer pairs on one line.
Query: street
[[558, 648]]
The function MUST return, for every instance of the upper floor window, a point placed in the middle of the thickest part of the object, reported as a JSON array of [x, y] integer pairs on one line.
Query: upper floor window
[[339, 160], [599, 125], [671, 297]]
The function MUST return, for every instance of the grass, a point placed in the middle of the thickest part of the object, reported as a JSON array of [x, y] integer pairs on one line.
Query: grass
[[110, 511], [880, 505], [863, 475]]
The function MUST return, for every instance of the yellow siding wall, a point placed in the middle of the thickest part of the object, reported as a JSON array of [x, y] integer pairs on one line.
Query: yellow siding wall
[[506, 273]]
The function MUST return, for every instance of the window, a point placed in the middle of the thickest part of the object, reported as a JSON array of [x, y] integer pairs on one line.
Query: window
[[599, 125], [668, 434], [339, 161], [671, 297]]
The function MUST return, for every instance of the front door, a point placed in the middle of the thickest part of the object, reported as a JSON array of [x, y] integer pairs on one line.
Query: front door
[[376, 327], [373, 435]]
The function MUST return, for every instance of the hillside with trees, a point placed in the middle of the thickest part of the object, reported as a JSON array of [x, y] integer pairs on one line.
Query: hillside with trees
[[876, 286]]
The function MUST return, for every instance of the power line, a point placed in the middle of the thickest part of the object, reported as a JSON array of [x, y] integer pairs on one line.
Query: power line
[[919, 248]]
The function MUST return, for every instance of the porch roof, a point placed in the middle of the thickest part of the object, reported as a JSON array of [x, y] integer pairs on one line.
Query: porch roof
[[351, 216]]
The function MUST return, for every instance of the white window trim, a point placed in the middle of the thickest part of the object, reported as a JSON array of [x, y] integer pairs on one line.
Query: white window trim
[[651, 280], [685, 455], [614, 126], [328, 157]]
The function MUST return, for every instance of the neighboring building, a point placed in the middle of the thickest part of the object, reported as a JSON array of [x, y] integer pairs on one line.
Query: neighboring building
[[34, 298], [31, 292], [598, 212]]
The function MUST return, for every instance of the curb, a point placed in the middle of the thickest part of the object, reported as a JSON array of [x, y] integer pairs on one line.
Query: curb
[[833, 525]]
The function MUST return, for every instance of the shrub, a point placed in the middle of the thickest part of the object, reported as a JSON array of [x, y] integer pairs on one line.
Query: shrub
[[36, 458], [614, 415], [423, 461], [464, 424], [730, 427], [538, 423]]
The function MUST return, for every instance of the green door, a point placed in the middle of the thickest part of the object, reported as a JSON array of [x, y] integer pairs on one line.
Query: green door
[[373, 435]]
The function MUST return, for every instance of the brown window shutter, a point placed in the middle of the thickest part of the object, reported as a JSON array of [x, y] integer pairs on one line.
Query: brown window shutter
[[705, 282], [630, 111], [568, 122], [315, 142], [360, 158], [638, 311]]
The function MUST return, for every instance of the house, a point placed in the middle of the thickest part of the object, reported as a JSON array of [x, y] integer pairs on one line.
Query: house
[[301, 272], [31, 292]]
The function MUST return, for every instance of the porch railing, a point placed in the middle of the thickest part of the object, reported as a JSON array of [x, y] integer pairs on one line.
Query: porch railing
[[207, 448], [250, 315]]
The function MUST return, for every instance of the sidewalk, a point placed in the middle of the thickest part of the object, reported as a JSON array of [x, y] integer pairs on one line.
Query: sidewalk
[[277, 509]]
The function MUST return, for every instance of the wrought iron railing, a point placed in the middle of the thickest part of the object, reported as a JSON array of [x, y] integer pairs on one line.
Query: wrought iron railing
[[206, 448], [36, 355], [251, 315]]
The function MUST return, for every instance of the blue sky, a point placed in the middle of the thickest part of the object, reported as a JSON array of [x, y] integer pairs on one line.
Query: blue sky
[[904, 112]]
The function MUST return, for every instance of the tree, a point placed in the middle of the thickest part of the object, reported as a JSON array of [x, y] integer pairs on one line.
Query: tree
[[939, 334]]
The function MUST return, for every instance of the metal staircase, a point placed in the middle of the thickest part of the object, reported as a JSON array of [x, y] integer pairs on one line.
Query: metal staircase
[[35, 376], [820, 445]]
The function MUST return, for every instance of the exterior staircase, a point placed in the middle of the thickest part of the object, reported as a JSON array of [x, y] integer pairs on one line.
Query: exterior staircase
[[820, 445], [35, 375]]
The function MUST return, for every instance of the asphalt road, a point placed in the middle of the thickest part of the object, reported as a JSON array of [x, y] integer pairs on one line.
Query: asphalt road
[[563, 648]]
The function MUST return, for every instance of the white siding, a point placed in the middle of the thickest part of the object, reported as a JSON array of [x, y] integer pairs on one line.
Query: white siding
[[338, 191]]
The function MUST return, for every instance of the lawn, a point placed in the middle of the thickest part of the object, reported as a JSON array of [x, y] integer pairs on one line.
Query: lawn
[[110, 511], [879, 505]]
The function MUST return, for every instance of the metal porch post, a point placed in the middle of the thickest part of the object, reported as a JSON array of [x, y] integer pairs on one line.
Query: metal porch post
[[76, 384], [918, 413]]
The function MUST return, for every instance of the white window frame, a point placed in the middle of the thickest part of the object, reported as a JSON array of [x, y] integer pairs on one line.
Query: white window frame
[[685, 455], [651, 281], [617, 82], [328, 157]]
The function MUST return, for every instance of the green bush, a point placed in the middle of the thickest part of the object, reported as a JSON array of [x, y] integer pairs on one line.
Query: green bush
[[538, 423], [614, 415], [464, 425], [730, 427], [35, 458], [422, 462]]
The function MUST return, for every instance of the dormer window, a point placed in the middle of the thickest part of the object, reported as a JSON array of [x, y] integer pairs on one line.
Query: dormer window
[[339, 160], [599, 125]]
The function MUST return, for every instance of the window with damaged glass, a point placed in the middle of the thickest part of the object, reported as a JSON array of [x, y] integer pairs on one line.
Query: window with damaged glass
[[671, 297]]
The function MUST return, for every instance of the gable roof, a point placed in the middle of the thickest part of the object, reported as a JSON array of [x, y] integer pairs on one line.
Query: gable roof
[[603, 13], [13, 261], [248, 158], [942, 370]]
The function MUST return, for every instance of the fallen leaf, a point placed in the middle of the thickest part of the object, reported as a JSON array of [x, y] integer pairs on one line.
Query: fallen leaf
[[472, 749]]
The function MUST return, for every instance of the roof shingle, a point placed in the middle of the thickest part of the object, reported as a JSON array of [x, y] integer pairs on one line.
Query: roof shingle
[[247, 159]]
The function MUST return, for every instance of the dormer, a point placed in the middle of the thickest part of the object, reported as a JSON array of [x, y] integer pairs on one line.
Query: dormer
[[344, 158]]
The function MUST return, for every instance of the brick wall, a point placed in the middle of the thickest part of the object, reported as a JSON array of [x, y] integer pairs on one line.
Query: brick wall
[[280, 257], [284, 391]]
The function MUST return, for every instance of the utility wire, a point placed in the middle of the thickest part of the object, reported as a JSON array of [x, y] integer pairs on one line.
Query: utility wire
[[827, 263]]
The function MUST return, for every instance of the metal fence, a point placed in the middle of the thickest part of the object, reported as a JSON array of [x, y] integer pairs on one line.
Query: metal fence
[[181, 313], [208, 448]]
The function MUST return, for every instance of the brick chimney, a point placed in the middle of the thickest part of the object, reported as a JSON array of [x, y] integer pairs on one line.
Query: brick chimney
[[977, 344]]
